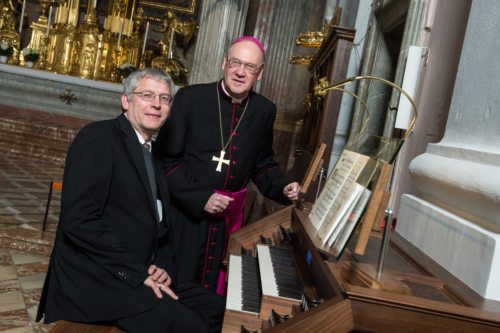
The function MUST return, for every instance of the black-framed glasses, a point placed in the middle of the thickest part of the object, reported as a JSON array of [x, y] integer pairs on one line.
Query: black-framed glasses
[[149, 96], [249, 68]]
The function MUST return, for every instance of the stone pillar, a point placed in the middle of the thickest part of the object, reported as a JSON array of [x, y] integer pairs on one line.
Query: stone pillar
[[455, 220], [278, 23], [221, 21]]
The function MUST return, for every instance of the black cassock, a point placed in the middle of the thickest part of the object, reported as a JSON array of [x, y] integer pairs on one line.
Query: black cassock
[[188, 142]]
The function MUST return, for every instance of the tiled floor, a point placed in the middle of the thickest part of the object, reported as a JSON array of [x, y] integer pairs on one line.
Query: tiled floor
[[21, 279], [24, 249]]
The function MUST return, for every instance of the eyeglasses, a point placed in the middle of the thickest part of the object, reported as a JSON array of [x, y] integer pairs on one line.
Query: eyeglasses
[[249, 68], [149, 96]]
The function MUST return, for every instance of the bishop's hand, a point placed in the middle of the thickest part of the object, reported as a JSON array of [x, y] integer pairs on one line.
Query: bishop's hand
[[291, 191], [217, 203]]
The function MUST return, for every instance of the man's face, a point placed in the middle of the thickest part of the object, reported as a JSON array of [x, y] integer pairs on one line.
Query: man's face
[[147, 117], [238, 80]]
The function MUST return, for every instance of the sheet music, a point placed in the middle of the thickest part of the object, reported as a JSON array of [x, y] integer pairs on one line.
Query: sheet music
[[346, 171], [337, 216]]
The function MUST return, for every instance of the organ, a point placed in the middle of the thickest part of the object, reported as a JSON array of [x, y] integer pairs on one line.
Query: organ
[[323, 294]]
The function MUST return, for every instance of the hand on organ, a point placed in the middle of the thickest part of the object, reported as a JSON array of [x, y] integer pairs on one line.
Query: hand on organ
[[291, 191]]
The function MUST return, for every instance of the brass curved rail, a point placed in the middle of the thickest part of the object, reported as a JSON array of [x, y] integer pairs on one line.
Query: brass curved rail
[[365, 106], [367, 77]]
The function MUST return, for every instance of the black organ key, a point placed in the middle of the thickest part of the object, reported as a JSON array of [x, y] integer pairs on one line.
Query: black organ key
[[244, 290], [279, 276]]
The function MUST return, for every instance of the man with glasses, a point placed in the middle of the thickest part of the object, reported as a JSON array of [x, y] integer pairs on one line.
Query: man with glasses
[[112, 260], [218, 138]]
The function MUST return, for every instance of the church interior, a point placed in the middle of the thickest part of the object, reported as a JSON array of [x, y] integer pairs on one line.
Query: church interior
[[408, 83]]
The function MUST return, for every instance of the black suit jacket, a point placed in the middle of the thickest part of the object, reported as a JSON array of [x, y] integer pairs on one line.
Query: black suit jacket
[[107, 235]]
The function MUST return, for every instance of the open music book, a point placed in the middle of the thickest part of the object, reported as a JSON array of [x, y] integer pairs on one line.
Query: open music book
[[338, 187], [347, 226], [336, 218]]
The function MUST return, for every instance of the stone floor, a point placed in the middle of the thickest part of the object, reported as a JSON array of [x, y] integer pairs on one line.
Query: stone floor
[[24, 248]]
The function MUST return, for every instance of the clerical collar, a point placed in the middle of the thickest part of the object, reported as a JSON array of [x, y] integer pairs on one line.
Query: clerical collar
[[233, 100], [139, 136]]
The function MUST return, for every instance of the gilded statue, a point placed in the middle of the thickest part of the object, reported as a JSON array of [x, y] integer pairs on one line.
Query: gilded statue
[[8, 31], [85, 50], [173, 26]]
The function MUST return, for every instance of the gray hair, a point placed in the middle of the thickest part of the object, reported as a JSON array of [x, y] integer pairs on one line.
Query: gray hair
[[131, 82]]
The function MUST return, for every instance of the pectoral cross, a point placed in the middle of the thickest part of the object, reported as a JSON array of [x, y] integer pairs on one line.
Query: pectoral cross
[[220, 160]]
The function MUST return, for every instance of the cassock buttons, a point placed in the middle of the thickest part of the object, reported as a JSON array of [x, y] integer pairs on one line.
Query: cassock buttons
[[236, 148], [234, 162]]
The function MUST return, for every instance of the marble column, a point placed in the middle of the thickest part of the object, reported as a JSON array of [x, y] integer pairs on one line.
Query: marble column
[[455, 219], [220, 22], [278, 23]]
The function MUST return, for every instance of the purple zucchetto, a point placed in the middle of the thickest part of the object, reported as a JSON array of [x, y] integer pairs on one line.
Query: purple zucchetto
[[252, 39]]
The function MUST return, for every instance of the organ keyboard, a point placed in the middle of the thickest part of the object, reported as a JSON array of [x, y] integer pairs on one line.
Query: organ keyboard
[[307, 290], [277, 272]]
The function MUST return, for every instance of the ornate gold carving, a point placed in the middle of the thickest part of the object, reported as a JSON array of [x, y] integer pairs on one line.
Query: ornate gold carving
[[308, 102], [92, 51], [86, 47], [310, 39], [68, 97], [172, 27], [301, 60], [319, 88], [8, 31]]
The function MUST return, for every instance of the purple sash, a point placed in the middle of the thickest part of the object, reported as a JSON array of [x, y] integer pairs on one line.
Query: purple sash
[[234, 218]]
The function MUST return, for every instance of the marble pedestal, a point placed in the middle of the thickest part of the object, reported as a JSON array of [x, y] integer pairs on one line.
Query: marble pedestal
[[40, 90], [466, 250]]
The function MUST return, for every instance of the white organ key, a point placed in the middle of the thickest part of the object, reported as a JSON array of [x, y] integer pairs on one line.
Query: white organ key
[[267, 278], [234, 286]]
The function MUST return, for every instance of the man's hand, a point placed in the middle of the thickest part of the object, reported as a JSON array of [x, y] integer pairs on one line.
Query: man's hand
[[159, 281], [217, 203], [292, 191]]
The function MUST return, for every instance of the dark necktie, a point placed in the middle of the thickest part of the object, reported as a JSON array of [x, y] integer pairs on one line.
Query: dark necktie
[[148, 159]]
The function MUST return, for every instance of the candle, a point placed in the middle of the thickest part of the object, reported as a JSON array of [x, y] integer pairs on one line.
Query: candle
[[145, 39], [48, 21], [119, 34], [94, 4], [132, 11], [171, 46], [22, 18]]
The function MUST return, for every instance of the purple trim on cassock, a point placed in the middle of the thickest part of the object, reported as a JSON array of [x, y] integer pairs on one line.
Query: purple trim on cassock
[[175, 167], [234, 219]]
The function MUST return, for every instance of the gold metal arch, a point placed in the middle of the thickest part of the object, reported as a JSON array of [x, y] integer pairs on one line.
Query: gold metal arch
[[337, 86]]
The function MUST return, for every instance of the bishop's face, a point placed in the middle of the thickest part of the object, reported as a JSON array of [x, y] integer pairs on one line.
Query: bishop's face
[[242, 68], [147, 116]]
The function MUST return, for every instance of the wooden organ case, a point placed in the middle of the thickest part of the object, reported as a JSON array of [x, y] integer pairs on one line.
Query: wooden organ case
[[414, 295], [322, 109]]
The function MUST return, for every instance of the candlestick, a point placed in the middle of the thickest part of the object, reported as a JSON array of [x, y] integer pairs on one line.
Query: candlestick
[[132, 11], [171, 46], [119, 34], [48, 21], [145, 39], [22, 18]]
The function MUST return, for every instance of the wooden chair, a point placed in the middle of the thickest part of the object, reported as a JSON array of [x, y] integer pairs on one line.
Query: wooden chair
[[63, 326], [54, 185]]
